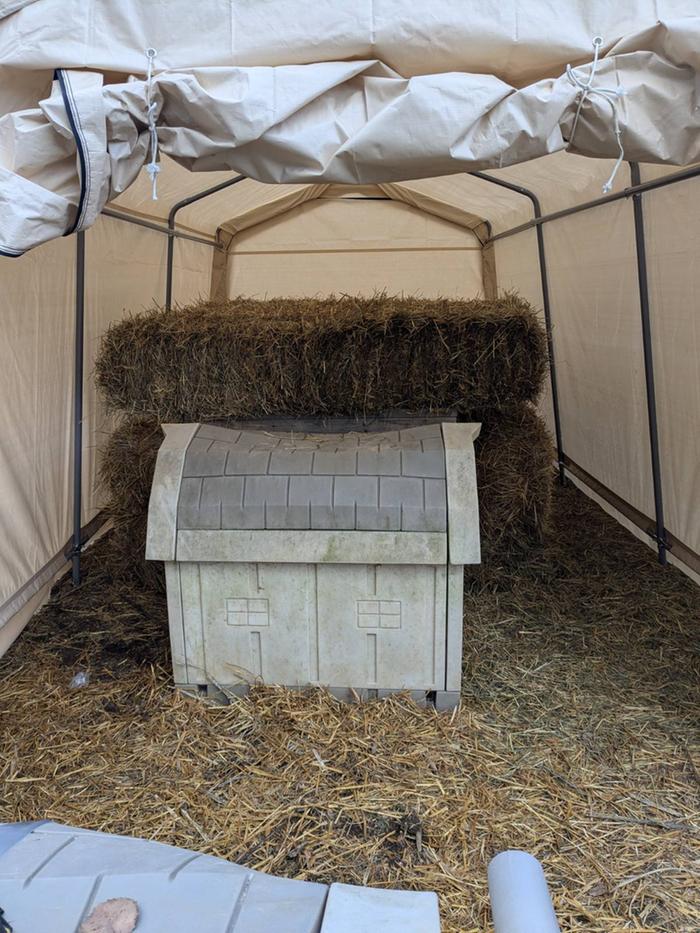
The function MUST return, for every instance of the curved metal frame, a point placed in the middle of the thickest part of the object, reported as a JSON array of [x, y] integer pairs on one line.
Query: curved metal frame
[[652, 185], [185, 202], [635, 191], [159, 228], [537, 209], [78, 363]]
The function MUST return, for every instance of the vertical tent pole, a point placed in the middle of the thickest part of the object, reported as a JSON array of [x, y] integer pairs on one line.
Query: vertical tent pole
[[171, 229], [78, 404], [169, 265], [546, 306], [659, 533]]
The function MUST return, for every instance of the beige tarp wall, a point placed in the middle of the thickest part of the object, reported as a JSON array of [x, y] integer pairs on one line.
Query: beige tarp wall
[[35, 418], [125, 272], [598, 345], [355, 246], [599, 349], [673, 225]]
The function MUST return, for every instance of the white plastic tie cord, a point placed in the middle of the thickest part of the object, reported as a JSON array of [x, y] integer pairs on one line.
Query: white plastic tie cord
[[152, 167], [611, 95]]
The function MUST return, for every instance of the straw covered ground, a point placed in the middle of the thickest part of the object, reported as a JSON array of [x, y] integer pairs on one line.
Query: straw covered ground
[[577, 739], [306, 356]]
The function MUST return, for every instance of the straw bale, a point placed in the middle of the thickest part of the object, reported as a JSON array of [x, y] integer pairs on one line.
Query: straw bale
[[514, 454], [337, 356], [577, 739], [126, 474]]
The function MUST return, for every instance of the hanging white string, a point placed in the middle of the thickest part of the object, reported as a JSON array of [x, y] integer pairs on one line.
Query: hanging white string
[[611, 95], [152, 167]]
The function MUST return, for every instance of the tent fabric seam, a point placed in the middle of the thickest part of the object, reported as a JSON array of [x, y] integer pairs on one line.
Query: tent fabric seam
[[643, 522], [21, 597], [76, 128]]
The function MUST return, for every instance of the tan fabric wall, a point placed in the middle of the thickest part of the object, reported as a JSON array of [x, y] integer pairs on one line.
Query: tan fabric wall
[[191, 273], [595, 307], [598, 344], [35, 415], [355, 246], [672, 222], [124, 272]]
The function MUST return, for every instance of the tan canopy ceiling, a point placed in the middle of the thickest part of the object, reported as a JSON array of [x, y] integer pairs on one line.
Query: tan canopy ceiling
[[559, 180]]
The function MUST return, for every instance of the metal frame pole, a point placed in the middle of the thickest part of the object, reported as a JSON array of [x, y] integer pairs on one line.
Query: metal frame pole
[[159, 228], [192, 199], [537, 210], [652, 185], [659, 534], [78, 405]]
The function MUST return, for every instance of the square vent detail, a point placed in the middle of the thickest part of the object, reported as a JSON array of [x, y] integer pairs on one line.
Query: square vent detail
[[379, 613], [245, 611]]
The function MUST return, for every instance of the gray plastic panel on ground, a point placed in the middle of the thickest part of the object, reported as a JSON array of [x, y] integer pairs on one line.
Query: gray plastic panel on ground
[[52, 877]]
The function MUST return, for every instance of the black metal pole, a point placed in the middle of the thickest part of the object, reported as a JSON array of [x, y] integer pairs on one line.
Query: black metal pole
[[169, 268], [659, 534], [78, 404], [192, 199], [544, 280], [159, 228]]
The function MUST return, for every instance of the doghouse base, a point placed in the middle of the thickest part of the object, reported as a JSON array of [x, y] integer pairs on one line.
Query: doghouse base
[[441, 699]]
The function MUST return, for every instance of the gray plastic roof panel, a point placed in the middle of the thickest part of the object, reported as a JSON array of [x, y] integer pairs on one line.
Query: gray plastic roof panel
[[52, 879], [52, 876], [255, 479]]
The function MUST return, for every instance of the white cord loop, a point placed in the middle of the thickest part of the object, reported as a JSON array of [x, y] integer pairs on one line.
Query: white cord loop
[[152, 167], [611, 95]]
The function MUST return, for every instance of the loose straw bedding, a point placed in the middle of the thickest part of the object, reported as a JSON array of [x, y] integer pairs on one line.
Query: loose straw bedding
[[577, 739]]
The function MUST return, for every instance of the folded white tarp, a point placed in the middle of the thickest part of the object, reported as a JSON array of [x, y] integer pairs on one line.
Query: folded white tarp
[[288, 92], [519, 41]]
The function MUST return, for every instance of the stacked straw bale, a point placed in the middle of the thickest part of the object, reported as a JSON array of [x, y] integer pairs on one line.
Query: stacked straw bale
[[335, 356], [361, 357]]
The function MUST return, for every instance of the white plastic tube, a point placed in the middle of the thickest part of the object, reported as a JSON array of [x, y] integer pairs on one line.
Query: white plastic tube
[[520, 901]]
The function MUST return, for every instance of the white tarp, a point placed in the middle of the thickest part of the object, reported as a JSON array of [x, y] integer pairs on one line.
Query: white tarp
[[347, 95], [516, 40]]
